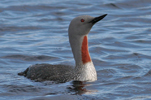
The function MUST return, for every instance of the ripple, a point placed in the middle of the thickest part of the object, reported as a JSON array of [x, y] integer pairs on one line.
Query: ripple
[[148, 73], [113, 5], [29, 58]]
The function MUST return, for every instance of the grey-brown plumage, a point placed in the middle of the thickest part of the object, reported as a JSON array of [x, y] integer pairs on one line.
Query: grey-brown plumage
[[42, 72]]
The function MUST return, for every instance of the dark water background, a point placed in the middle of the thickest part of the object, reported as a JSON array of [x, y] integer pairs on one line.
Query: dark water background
[[35, 31]]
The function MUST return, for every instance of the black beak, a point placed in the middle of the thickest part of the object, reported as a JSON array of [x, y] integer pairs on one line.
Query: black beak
[[96, 19]]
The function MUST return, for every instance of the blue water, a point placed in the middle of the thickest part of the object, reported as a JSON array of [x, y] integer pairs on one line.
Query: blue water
[[35, 31]]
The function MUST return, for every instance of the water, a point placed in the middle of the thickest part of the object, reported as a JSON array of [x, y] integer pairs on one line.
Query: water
[[35, 31]]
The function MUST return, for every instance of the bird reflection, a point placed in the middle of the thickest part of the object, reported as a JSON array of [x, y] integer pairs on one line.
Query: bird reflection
[[79, 88]]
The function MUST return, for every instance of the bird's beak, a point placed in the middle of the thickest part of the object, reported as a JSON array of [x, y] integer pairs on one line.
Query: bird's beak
[[96, 19]]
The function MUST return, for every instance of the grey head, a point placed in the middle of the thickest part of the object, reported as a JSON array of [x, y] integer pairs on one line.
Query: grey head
[[81, 25]]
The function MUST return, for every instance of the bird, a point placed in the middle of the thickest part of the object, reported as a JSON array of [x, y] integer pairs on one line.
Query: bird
[[84, 69]]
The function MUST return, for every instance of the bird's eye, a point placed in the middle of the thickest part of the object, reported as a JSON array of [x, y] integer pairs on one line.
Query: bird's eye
[[82, 20]]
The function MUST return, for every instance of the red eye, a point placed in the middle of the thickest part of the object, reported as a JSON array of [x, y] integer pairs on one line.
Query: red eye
[[82, 20]]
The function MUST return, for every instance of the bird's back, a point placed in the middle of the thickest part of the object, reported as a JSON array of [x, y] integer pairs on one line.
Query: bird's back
[[43, 72]]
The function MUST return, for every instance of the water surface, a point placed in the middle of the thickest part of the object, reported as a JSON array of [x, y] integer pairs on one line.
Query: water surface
[[35, 31]]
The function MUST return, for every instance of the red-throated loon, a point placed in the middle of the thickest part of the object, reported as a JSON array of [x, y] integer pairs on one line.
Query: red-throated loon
[[84, 69]]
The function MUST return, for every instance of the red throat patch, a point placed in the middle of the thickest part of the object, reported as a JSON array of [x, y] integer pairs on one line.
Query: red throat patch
[[84, 50]]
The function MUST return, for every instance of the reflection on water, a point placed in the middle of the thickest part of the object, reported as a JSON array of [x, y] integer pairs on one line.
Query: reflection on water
[[78, 88]]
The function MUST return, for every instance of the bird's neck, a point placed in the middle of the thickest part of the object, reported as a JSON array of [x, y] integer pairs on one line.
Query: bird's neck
[[84, 69], [80, 50]]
